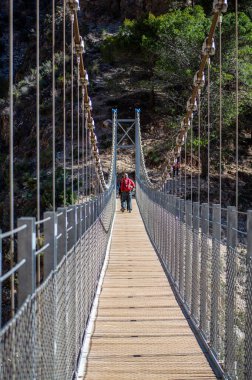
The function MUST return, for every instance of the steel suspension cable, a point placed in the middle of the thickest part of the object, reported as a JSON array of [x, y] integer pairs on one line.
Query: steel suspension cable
[[199, 142], [191, 138], [220, 110], [64, 102], [185, 165], [53, 100], [72, 122], [78, 127], [82, 142], [38, 111], [38, 130], [237, 105], [90, 164], [95, 178], [180, 175], [92, 169], [86, 156], [94, 174], [89, 167], [208, 129], [11, 150]]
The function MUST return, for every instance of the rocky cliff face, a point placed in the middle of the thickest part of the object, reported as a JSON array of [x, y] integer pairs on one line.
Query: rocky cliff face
[[124, 8]]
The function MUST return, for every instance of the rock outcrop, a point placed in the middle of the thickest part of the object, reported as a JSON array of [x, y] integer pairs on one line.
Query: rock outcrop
[[124, 8]]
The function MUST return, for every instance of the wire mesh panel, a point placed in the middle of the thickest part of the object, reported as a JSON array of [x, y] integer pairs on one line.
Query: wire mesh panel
[[195, 263], [173, 232], [70, 316], [209, 264], [188, 254], [18, 344], [61, 307], [181, 252], [46, 328], [241, 293], [217, 313], [79, 297], [248, 323], [205, 284], [44, 339]]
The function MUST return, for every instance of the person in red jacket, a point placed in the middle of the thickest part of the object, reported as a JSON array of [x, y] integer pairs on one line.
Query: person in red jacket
[[126, 187]]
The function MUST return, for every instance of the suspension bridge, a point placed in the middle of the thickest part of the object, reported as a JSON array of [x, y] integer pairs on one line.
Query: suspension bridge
[[162, 293]]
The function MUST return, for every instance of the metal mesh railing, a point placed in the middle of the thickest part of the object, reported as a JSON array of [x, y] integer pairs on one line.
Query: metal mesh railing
[[208, 260], [44, 339]]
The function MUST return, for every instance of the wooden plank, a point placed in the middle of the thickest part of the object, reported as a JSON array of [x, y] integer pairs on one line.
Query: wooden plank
[[140, 331]]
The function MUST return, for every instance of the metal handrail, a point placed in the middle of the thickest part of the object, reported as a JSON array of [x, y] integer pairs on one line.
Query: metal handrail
[[43, 221], [15, 231], [42, 249], [12, 271]]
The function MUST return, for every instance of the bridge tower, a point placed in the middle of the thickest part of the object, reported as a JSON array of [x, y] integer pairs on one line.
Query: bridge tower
[[126, 141]]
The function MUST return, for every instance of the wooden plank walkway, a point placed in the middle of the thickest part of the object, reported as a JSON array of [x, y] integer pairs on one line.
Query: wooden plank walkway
[[140, 331]]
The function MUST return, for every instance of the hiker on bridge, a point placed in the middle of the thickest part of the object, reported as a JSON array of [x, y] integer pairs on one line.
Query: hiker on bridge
[[126, 188], [175, 168]]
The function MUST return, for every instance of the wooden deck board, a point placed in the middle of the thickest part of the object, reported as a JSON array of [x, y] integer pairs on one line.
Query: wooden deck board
[[140, 331]]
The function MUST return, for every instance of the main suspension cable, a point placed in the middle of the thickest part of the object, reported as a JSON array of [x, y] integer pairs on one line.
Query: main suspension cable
[[208, 48], [79, 49]]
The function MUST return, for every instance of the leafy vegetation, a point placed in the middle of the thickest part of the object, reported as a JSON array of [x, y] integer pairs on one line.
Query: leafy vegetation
[[168, 47]]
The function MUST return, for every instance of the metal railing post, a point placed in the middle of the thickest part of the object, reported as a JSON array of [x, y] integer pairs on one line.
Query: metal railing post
[[160, 221], [62, 230], [78, 222], [163, 226], [165, 230], [137, 142], [230, 291], [173, 237], [248, 325], [195, 262], [169, 233], [181, 249], [204, 275], [83, 226], [71, 227], [177, 239], [215, 282], [51, 232], [26, 250], [95, 209], [87, 216], [188, 254]]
